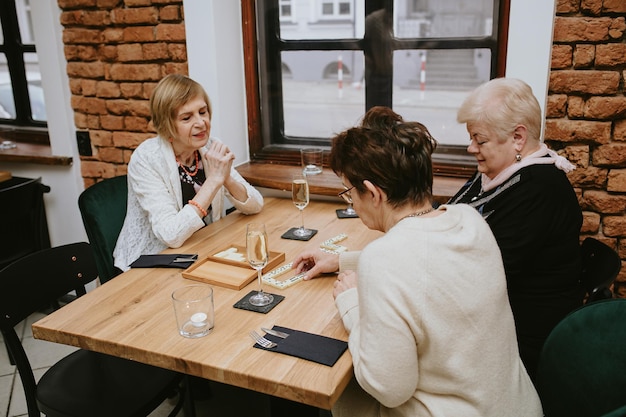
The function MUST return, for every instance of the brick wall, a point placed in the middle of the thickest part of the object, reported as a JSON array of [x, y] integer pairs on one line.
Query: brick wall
[[586, 113], [118, 49]]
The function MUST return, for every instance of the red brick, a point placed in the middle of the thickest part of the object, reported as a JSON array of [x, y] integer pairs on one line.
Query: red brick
[[605, 107], [129, 140], [108, 89], [88, 87], [85, 69], [131, 52], [603, 202], [110, 122], [135, 72], [619, 130], [561, 56], [128, 107], [575, 107], [593, 7], [110, 154], [614, 226], [584, 56], [617, 28], [96, 169], [556, 105], [81, 36], [132, 90], [113, 35], [139, 34], [135, 15], [136, 124], [177, 51], [101, 138], [586, 82], [611, 55], [567, 6], [591, 177], [155, 51], [170, 13], [617, 180], [613, 154], [575, 130], [614, 6], [591, 222], [581, 29], [170, 32]]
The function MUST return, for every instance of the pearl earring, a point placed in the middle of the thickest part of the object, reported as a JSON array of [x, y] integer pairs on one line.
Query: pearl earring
[[518, 157]]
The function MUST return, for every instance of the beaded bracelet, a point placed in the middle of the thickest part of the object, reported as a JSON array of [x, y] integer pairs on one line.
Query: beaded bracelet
[[199, 207]]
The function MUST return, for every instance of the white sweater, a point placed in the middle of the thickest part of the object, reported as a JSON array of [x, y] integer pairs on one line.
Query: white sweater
[[431, 329], [156, 217]]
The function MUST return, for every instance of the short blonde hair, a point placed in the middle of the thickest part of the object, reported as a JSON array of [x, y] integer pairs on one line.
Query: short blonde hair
[[172, 92], [502, 104]]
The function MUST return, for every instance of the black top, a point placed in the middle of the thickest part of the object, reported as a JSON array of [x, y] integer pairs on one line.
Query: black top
[[536, 220]]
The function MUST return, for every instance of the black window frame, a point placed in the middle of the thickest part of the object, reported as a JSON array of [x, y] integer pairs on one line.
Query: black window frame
[[14, 49], [267, 140]]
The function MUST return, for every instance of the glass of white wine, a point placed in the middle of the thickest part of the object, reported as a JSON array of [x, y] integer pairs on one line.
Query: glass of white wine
[[258, 255], [300, 197]]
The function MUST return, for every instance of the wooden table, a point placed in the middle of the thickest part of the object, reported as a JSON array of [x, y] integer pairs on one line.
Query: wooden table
[[132, 316]]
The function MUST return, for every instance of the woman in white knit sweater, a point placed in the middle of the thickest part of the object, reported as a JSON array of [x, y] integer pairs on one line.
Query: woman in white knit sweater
[[426, 306], [178, 180]]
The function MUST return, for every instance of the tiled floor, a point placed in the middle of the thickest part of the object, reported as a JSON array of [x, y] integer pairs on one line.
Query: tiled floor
[[224, 401]]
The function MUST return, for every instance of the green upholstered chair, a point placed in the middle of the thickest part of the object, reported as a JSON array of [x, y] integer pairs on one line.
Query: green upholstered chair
[[601, 264], [582, 369], [103, 209]]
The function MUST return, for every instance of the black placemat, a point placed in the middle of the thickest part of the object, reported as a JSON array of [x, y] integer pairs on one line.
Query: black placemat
[[309, 346], [341, 213], [289, 234], [164, 261], [244, 303]]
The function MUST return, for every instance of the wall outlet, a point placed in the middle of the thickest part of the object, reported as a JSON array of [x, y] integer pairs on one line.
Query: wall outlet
[[84, 143]]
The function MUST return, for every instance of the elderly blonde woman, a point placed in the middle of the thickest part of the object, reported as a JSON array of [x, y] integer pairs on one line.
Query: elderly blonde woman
[[178, 180], [522, 191], [431, 329]]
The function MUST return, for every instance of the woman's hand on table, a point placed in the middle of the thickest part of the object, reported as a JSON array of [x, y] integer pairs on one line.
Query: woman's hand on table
[[344, 282], [315, 262]]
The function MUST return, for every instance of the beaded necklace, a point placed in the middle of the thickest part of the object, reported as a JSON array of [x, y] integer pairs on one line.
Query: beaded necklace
[[195, 171]]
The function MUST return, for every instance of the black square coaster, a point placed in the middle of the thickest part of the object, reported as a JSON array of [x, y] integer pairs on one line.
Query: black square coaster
[[341, 214], [290, 235], [244, 303]]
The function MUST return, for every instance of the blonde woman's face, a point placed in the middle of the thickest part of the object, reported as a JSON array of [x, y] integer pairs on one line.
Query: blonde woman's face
[[193, 125], [492, 155]]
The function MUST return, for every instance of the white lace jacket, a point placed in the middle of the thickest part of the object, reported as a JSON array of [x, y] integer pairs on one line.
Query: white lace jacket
[[156, 217]]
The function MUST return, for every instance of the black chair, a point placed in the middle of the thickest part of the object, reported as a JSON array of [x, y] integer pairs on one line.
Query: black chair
[[582, 363], [601, 264], [84, 383], [23, 226], [103, 209]]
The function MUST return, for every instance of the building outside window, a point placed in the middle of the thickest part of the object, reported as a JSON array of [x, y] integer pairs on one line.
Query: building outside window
[[319, 72], [21, 94]]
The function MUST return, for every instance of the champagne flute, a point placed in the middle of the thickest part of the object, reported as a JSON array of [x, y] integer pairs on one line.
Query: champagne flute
[[300, 197], [258, 255]]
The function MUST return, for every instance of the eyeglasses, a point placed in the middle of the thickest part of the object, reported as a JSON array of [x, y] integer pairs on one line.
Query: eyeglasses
[[345, 194]]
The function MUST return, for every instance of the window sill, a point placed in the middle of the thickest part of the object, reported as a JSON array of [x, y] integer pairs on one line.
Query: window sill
[[33, 147], [277, 177]]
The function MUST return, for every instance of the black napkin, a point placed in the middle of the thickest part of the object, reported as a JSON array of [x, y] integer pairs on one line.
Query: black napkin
[[309, 346], [289, 234], [164, 261]]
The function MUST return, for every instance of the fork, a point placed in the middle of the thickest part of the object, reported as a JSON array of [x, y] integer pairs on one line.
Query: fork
[[261, 340]]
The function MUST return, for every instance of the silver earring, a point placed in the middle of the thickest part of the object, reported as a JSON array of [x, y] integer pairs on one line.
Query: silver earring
[[518, 157]]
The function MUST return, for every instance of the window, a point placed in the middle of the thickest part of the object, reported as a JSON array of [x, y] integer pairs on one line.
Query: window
[[318, 76], [21, 94]]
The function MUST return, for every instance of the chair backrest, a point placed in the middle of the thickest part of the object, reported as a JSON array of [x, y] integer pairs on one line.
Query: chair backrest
[[601, 264], [23, 227], [103, 209], [581, 369], [33, 282]]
